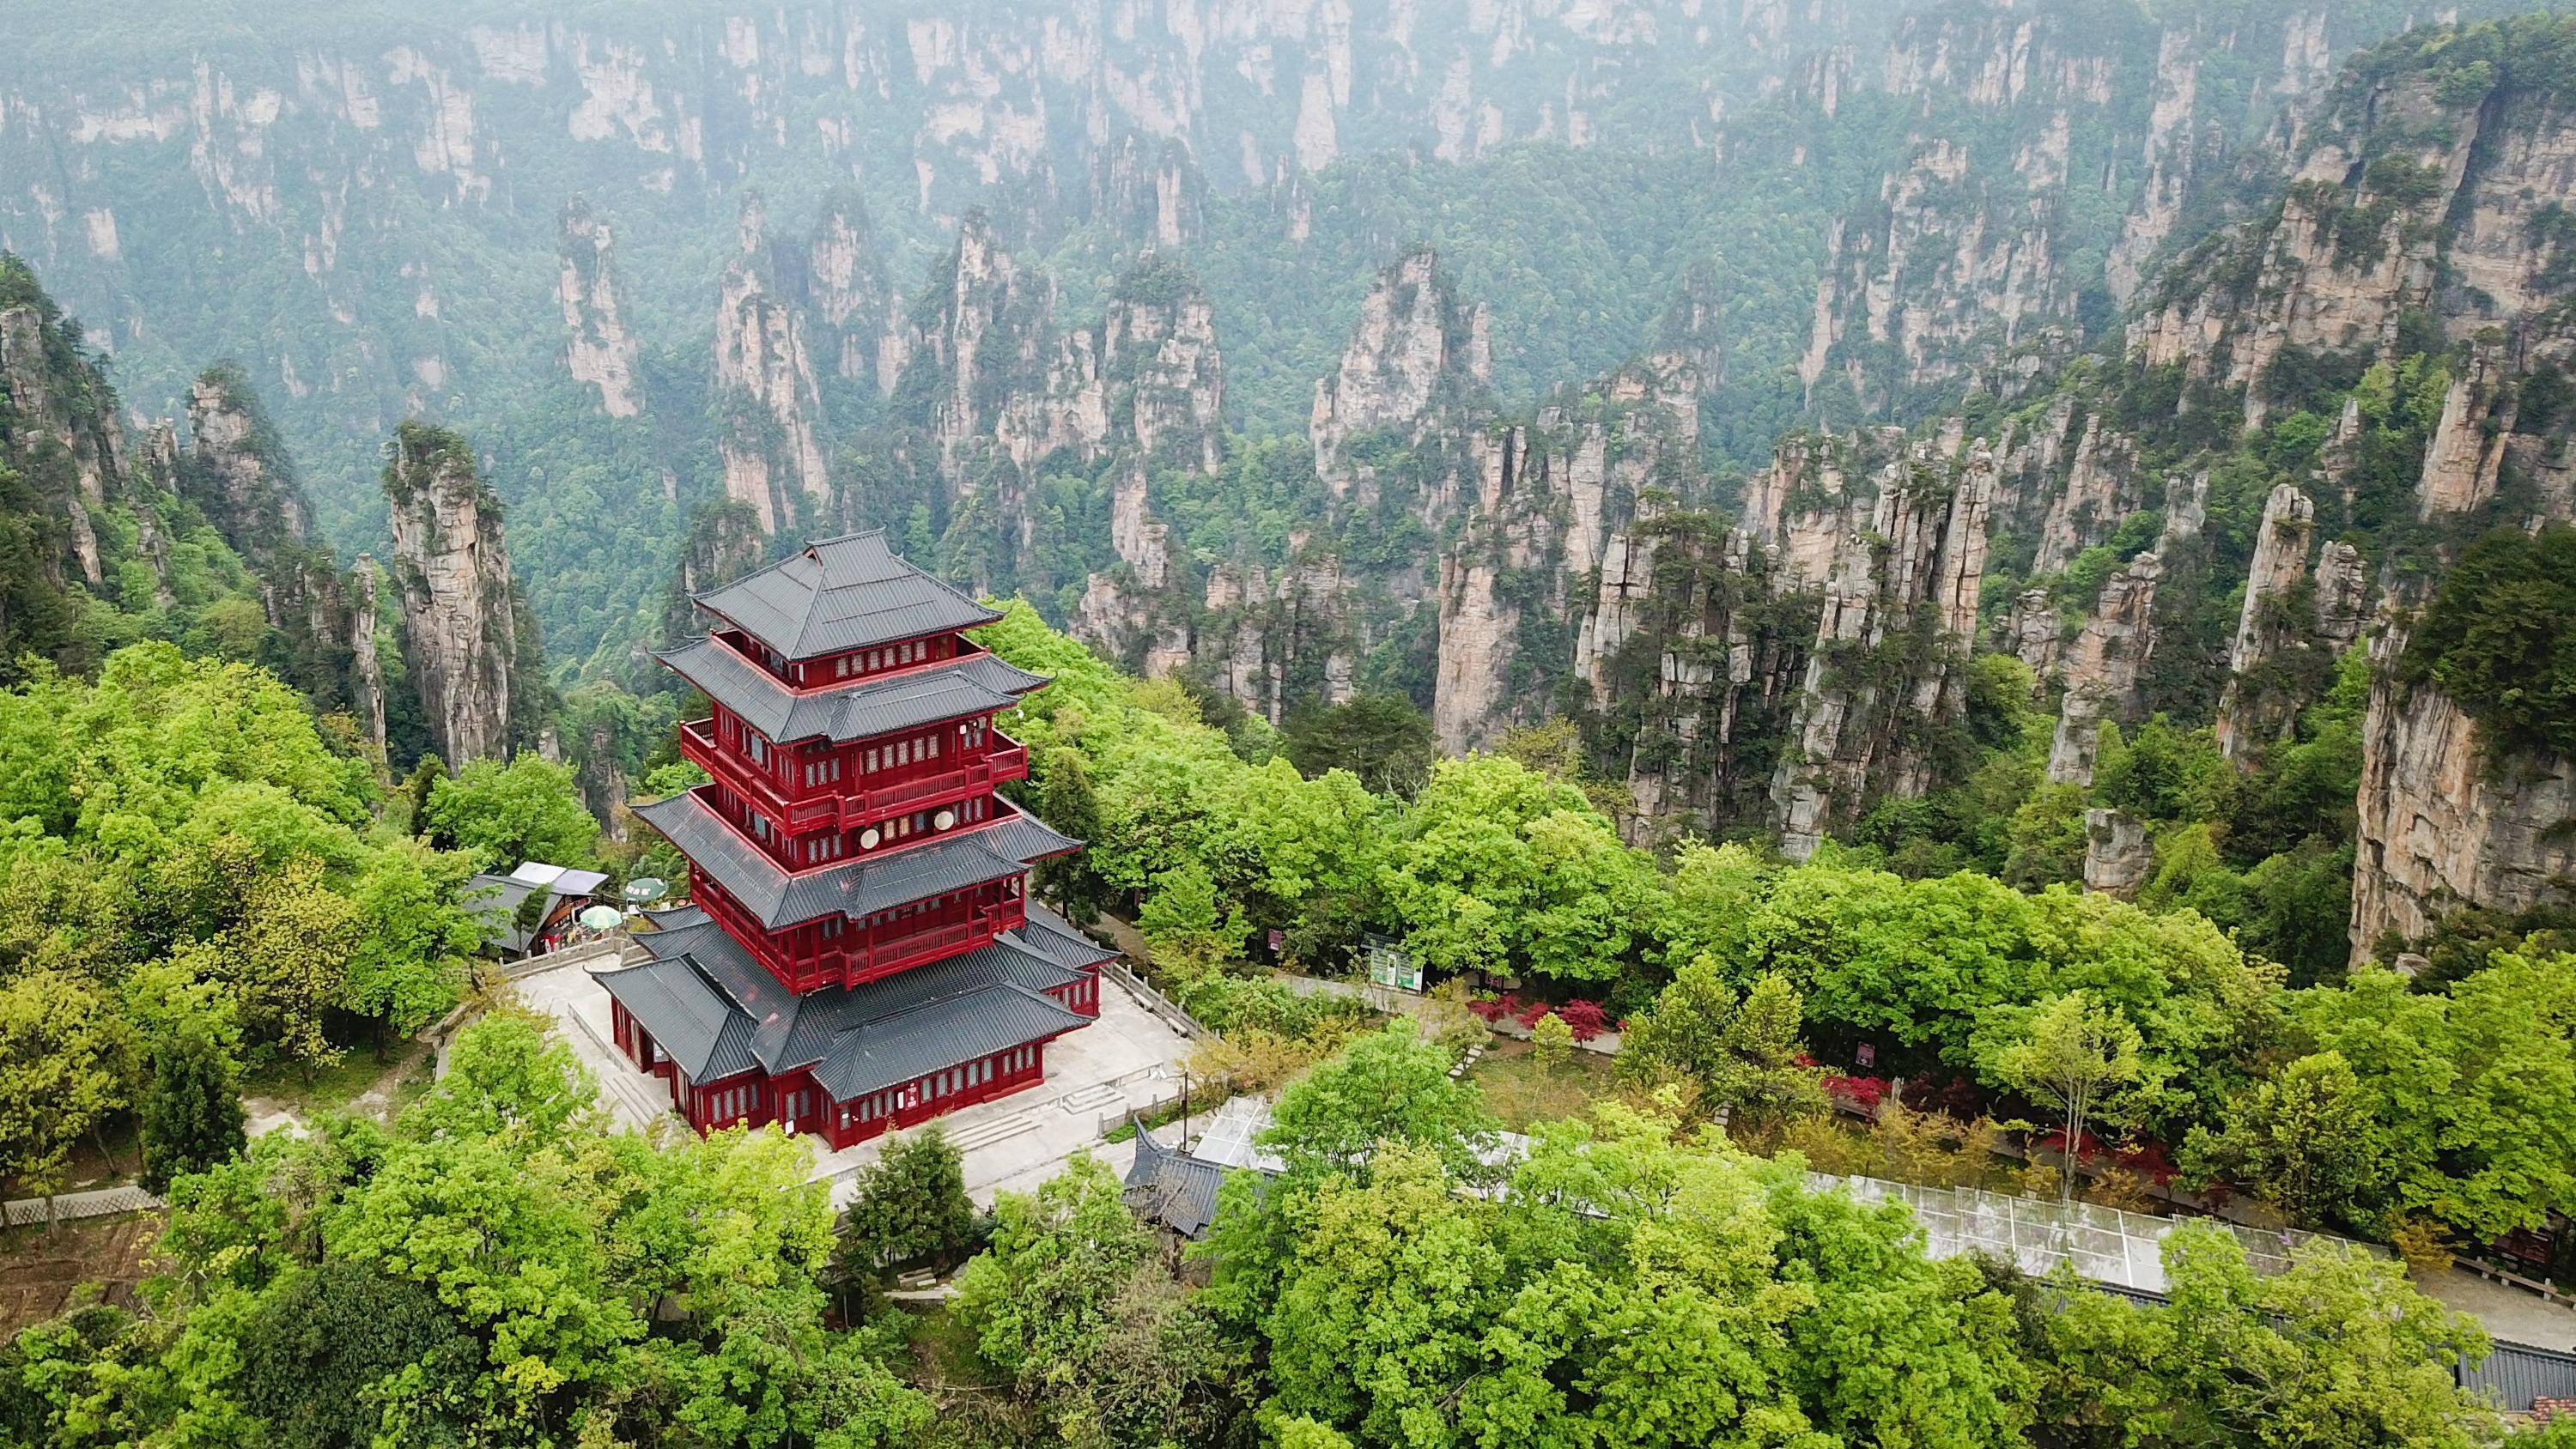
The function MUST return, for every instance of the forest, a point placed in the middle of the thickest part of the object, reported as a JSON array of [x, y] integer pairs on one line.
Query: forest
[[201, 883]]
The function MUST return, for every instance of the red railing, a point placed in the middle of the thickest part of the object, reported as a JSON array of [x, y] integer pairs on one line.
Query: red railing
[[851, 808]]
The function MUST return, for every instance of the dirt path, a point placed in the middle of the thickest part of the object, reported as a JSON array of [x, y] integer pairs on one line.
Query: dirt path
[[290, 1111], [40, 1269]]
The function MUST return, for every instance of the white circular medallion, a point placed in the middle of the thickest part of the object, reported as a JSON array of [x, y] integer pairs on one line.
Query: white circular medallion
[[943, 819], [868, 838]]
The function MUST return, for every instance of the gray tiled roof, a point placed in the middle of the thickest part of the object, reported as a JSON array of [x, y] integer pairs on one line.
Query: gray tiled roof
[[1172, 1187], [1055, 938], [943, 1034], [978, 684], [690, 1019], [870, 883], [842, 593], [716, 1011], [789, 1031]]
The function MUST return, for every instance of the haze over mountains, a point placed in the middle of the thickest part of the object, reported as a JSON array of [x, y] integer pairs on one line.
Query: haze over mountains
[[1726, 379]]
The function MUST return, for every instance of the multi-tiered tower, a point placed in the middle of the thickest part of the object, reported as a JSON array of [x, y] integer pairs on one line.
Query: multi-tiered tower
[[859, 951]]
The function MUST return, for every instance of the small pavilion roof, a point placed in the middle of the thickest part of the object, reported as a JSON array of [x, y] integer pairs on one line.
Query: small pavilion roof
[[1171, 1187]]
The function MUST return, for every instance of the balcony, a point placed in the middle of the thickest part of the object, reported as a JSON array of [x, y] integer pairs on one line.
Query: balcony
[[698, 747], [846, 806], [1003, 761], [884, 958]]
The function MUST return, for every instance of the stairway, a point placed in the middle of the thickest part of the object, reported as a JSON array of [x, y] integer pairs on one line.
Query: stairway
[[1091, 1099], [991, 1130]]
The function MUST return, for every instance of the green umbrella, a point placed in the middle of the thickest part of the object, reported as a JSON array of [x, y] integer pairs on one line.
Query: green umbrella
[[646, 890], [602, 918]]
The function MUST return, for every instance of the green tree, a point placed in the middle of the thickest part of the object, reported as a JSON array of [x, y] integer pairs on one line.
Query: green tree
[[2302, 1141], [1739, 1056], [2071, 1055], [1386, 1086], [191, 1112], [65, 1066], [1042, 1294], [1552, 1041], [1380, 738], [502, 814], [1065, 801], [415, 942], [911, 1207], [322, 1351]]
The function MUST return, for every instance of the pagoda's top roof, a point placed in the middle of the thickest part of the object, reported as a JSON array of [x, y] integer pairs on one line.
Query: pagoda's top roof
[[841, 594], [977, 684], [1008, 845], [718, 1013]]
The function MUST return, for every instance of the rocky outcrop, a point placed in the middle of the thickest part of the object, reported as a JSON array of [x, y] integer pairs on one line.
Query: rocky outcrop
[[2249, 716], [1549, 496], [1942, 281], [1152, 196], [366, 667], [981, 336], [2118, 857], [2101, 667], [857, 316], [1137, 612], [725, 542], [64, 435], [2444, 824], [2343, 599], [238, 472], [599, 347], [2033, 631], [1898, 620], [464, 640], [767, 403], [1417, 365], [2424, 188], [1147, 379], [1692, 658]]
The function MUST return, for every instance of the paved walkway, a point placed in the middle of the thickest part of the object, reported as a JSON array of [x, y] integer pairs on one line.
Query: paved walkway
[[71, 1206]]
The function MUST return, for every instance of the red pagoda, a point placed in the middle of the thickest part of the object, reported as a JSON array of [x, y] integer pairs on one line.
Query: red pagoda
[[860, 951]]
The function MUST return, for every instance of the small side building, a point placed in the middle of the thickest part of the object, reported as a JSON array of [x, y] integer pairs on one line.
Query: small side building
[[497, 902]]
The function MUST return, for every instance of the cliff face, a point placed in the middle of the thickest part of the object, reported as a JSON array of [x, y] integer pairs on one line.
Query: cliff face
[[599, 349], [1898, 619], [1693, 653], [88, 513], [2422, 189], [238, 471], [1945, 282], [2445, 825], [1549, 496], [980, 339], [62, 438], [2100, 668], [463, 635], [240, 476], [857, 315], [767, 402], [1417, 365]]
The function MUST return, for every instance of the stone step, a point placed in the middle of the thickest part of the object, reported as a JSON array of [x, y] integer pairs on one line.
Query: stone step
[[988, 1132], [1091, 1098]]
